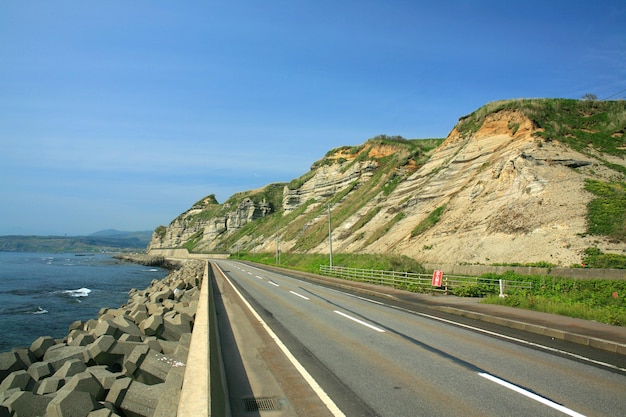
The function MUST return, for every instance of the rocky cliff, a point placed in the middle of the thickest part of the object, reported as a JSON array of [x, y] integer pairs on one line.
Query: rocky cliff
[[508, 184]]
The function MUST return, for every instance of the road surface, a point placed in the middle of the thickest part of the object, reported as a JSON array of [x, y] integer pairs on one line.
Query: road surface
[[373, 359]]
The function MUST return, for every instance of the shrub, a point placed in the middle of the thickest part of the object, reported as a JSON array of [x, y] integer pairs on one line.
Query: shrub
[[473, 290]]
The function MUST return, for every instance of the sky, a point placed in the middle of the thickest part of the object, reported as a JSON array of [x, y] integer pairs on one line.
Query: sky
[[122, 114]]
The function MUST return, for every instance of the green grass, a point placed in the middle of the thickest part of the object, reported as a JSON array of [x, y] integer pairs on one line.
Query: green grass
[[311, 262], [432, 219], [193, 241], [381, 231], [584, 125], [161, 231], [606, 214], [600, 300], [363, 220], [595, 258]]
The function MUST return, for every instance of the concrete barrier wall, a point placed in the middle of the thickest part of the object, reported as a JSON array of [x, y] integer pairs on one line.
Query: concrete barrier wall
[[576, 273], [196, 390], [204, 392], [184, 254]]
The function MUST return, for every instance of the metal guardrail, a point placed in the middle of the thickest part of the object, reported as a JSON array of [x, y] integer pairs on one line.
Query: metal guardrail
[[418, 282]]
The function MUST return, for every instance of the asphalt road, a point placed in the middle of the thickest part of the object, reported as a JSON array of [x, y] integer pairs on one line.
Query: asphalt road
[[376, 359]]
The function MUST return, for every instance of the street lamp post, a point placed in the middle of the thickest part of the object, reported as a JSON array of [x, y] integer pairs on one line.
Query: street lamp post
[[277, 247], [330, 239]]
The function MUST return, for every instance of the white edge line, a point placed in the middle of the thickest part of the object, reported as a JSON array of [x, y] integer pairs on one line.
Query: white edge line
[[330, 404], [360, 322], [299, 295], [521, 341], [355, 296], [531, 395]]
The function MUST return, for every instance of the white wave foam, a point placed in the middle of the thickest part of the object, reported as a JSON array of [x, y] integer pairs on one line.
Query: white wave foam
[[40, 311], [81, 292]]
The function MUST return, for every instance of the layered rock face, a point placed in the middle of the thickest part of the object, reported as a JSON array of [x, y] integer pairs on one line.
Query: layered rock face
[[327, 181], [504, 196], [192, 225], [499, 192], [130, 361]]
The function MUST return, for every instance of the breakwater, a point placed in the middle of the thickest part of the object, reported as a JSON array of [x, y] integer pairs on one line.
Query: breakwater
[[129, 361]]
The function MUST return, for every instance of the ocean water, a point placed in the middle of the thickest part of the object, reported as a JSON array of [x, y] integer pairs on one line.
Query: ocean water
[[41, 294]]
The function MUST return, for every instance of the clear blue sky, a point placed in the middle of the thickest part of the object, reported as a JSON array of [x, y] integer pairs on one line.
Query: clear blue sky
[[122, 114]]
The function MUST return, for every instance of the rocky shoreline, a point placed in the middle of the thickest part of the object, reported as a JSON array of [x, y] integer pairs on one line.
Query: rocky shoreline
[[129, 362]]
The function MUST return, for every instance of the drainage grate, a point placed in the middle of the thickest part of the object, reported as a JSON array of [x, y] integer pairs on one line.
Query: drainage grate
[[261, 404]]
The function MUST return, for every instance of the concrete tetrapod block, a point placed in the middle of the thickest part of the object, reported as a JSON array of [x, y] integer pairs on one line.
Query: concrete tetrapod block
[[41, 345], [4, 395], [80, 338], [152, 326], [26, 356], [71, 404], [103, 412], [71, 368], [168, 404], [168, 347], [18, 379], [169, 304], [100, 352], [40, 370], [138, 313], [90, 324], [105, 377], [130, 338], [85, 382], [154, 343], [150, 367], [106, 326], [58, 356], [124, 348], [189, 309], [27, 404], [182, 351], [118, 391], [155, 309], [160, 296], [50, 385], [135, 399], [77, 325], [10, 362], [134, 360], [175, 325], [127, 326]]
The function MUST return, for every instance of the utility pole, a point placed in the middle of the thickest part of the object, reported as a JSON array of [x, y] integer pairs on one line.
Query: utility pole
[[330, 239], [277, 248]]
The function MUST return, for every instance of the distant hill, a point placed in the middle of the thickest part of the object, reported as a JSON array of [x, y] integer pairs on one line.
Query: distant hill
[[142, 235], [102, 241]]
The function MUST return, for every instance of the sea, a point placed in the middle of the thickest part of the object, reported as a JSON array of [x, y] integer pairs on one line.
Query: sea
[[41, 294]]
